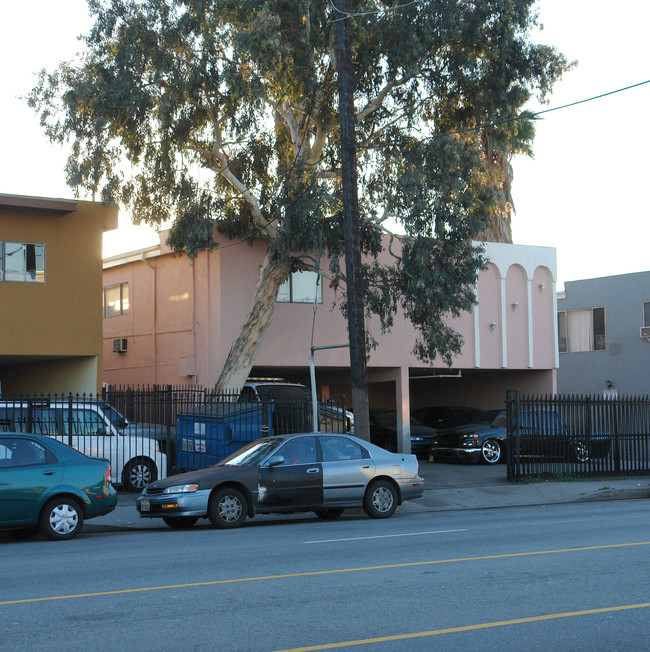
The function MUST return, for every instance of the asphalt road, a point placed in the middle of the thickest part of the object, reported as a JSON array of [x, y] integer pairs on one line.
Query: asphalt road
[[559, 577]]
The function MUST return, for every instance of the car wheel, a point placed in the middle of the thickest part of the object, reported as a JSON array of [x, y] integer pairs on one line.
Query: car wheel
[[180, 522], [328, 514], [227, 508], [138, 474], [491, 451], [380, 500], [61, 518], [581, 453], [24, 533]]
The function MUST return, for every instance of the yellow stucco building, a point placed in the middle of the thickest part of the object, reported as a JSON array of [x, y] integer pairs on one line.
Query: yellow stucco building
[[51, 294]]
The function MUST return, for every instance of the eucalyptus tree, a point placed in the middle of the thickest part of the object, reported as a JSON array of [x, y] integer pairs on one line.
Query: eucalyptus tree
[[223, 114]]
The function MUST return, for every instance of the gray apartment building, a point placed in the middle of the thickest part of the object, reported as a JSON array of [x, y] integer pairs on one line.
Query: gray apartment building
[[604, 336]]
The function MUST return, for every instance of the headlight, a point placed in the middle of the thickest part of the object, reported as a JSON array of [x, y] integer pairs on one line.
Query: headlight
[[472, 436], [182, 489], [416, 438]]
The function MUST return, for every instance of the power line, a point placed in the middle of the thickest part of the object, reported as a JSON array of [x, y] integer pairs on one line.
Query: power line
[[526, 115]]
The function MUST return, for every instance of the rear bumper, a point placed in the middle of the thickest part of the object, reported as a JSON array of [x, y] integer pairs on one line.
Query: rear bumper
[[411, 488]]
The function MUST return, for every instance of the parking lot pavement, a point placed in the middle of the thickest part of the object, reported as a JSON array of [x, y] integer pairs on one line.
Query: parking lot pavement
[[448, 486]]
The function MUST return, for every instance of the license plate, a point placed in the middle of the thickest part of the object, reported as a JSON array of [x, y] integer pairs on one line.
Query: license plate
[[145, 505]]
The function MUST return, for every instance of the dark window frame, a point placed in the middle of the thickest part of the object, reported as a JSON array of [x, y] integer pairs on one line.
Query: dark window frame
[[32, 267]]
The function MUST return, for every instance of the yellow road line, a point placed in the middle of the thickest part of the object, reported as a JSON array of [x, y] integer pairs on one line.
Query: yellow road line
[[468, 628], [324, 572]]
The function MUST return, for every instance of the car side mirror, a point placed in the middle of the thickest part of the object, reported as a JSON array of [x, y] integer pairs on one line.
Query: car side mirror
[[276, 460]]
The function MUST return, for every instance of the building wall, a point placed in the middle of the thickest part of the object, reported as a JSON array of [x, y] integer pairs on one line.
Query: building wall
[[625, 363], [51, 333], [184, 316]]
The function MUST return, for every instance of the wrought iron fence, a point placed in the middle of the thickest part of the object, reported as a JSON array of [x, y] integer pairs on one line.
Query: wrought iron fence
[[150, 432], [577, 435]]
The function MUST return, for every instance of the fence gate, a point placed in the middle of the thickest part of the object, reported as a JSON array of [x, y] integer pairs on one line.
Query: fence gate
[[557, 435]]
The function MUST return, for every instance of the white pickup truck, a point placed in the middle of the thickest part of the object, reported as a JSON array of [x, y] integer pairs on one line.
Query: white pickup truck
[[93, 428]]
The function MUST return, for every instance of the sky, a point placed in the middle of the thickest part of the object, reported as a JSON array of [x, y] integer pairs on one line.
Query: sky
[[584, 193]]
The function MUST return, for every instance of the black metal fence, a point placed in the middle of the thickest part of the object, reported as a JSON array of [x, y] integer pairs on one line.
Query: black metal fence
[[150, 432], [551, 436]]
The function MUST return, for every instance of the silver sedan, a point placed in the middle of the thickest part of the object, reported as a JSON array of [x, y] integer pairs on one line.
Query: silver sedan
[[323, 473]]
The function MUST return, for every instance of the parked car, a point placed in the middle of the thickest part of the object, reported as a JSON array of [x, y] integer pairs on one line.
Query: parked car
[[442, 417], [542, 434], [383, 432], [482, 440], [94, 428], [49, 487], [292, 409], [323, 473]]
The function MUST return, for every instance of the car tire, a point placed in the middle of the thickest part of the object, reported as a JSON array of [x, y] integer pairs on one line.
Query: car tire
[[380, 500], [580, 453], [328, 514], [180, 522], [61, 518], [228, 508], [491, 452], [138, 474]]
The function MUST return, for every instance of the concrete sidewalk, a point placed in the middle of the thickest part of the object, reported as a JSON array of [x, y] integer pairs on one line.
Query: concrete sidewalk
[[447, 487]]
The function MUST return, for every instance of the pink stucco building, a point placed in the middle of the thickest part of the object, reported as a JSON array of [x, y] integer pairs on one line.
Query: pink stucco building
[[170, 320]]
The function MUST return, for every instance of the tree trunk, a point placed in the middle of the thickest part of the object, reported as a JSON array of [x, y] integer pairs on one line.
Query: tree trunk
[[274, 272]]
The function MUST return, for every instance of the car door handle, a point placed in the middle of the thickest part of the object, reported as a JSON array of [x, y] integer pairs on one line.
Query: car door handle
[[316, 470], [366, 466], [48, 472]]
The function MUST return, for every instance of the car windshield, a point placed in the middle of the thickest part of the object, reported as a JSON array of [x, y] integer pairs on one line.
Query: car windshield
[[495, 418], [281, 393], [253, 453], [114, 416]]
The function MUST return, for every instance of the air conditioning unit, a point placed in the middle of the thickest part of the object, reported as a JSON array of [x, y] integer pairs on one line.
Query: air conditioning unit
[[119, 345], [645, 332], [563, 345]]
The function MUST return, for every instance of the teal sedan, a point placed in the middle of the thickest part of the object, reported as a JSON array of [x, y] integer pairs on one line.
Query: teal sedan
[[48, 487]]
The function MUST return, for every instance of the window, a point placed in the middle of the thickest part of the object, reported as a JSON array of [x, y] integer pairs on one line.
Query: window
[[300, 451], [116, 300], [581, 330], [338, 449], [22, 262], [300, 287], [84, 422], [21, 452]]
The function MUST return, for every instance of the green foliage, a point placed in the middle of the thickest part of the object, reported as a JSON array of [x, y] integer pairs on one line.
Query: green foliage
[[223, 114]]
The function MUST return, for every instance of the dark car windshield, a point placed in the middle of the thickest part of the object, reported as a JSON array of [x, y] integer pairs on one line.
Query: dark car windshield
[[253, 453], [115, 417], [494, 418]]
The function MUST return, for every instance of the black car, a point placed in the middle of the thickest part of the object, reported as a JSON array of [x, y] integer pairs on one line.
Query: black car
[[383, 432], [482, 440], [542, 434]]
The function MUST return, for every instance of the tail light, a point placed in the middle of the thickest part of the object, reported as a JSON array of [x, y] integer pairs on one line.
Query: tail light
[[108, 473]]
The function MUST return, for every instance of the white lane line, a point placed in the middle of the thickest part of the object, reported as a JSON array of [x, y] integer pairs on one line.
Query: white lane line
[[386, 536]]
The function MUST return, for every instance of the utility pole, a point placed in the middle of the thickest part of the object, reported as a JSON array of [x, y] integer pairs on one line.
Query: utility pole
[[352, 231]]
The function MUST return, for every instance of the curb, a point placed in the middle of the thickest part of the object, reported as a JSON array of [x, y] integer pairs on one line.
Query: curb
[[413, 506]]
